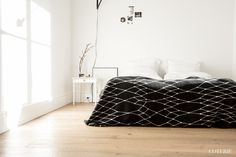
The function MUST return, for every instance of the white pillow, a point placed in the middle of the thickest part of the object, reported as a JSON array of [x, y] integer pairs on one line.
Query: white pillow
[[141, 67], [178, 75], [141, 71], [150, 62], [183, 66]]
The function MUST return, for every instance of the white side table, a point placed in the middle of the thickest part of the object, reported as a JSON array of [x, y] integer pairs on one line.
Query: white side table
[[84, 80]]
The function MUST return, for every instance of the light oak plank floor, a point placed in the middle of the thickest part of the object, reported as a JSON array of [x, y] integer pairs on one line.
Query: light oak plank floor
[[63, 134]]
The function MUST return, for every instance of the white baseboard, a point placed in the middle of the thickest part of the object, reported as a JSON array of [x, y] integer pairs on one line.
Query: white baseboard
[[31, 112], [34, 111], [3, 125]]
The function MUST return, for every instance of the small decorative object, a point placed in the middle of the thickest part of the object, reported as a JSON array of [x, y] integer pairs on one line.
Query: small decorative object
[[131, 10], [138, 14], [84, 52], [130, 19], [81, 75], [122, 19]]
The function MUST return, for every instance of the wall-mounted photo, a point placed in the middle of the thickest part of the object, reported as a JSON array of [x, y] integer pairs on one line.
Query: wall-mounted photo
[[130, 18], [138, 14], [131, 10], [123, 19]]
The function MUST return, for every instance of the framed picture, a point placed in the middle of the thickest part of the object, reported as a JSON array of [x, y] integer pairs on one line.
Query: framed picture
[[138, 14], [122, 19]]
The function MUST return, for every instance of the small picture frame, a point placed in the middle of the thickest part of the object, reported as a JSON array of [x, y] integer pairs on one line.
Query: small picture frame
[[138, 14], [130, 18], [131, 10], [123, 19]]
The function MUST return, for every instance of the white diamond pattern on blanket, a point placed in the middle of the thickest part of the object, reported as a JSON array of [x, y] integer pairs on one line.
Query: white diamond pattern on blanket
[[141, 101]]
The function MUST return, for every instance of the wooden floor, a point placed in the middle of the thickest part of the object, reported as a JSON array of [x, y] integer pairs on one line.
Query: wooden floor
[[63, 134]]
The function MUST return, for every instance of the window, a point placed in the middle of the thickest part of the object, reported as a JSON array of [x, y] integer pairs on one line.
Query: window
[[25, 53], [14, 53]]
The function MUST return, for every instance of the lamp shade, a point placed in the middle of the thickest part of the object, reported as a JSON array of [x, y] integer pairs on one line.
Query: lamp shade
[[98, 3]]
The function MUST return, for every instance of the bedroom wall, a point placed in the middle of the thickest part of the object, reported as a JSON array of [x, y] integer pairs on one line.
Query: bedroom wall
[[60, 62], [183, 29], [84, 30], [234, 56], [199, 30], [61, 88]]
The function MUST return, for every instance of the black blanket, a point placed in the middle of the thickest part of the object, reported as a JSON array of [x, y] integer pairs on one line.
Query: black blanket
[[192, 102]]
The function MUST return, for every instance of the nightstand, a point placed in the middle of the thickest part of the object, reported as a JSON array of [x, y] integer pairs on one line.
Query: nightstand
[[84, 80]]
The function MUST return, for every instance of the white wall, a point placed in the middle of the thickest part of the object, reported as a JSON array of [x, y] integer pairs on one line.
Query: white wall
[[84, 30], [61, 90], [199, 30], [234, 56], [61, 47], [184, 29]]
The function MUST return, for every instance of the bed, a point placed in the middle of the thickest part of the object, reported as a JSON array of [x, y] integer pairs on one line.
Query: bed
[[143, 101]]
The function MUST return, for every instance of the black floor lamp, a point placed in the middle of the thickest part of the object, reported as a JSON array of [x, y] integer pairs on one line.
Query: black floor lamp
[[98, 3]]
